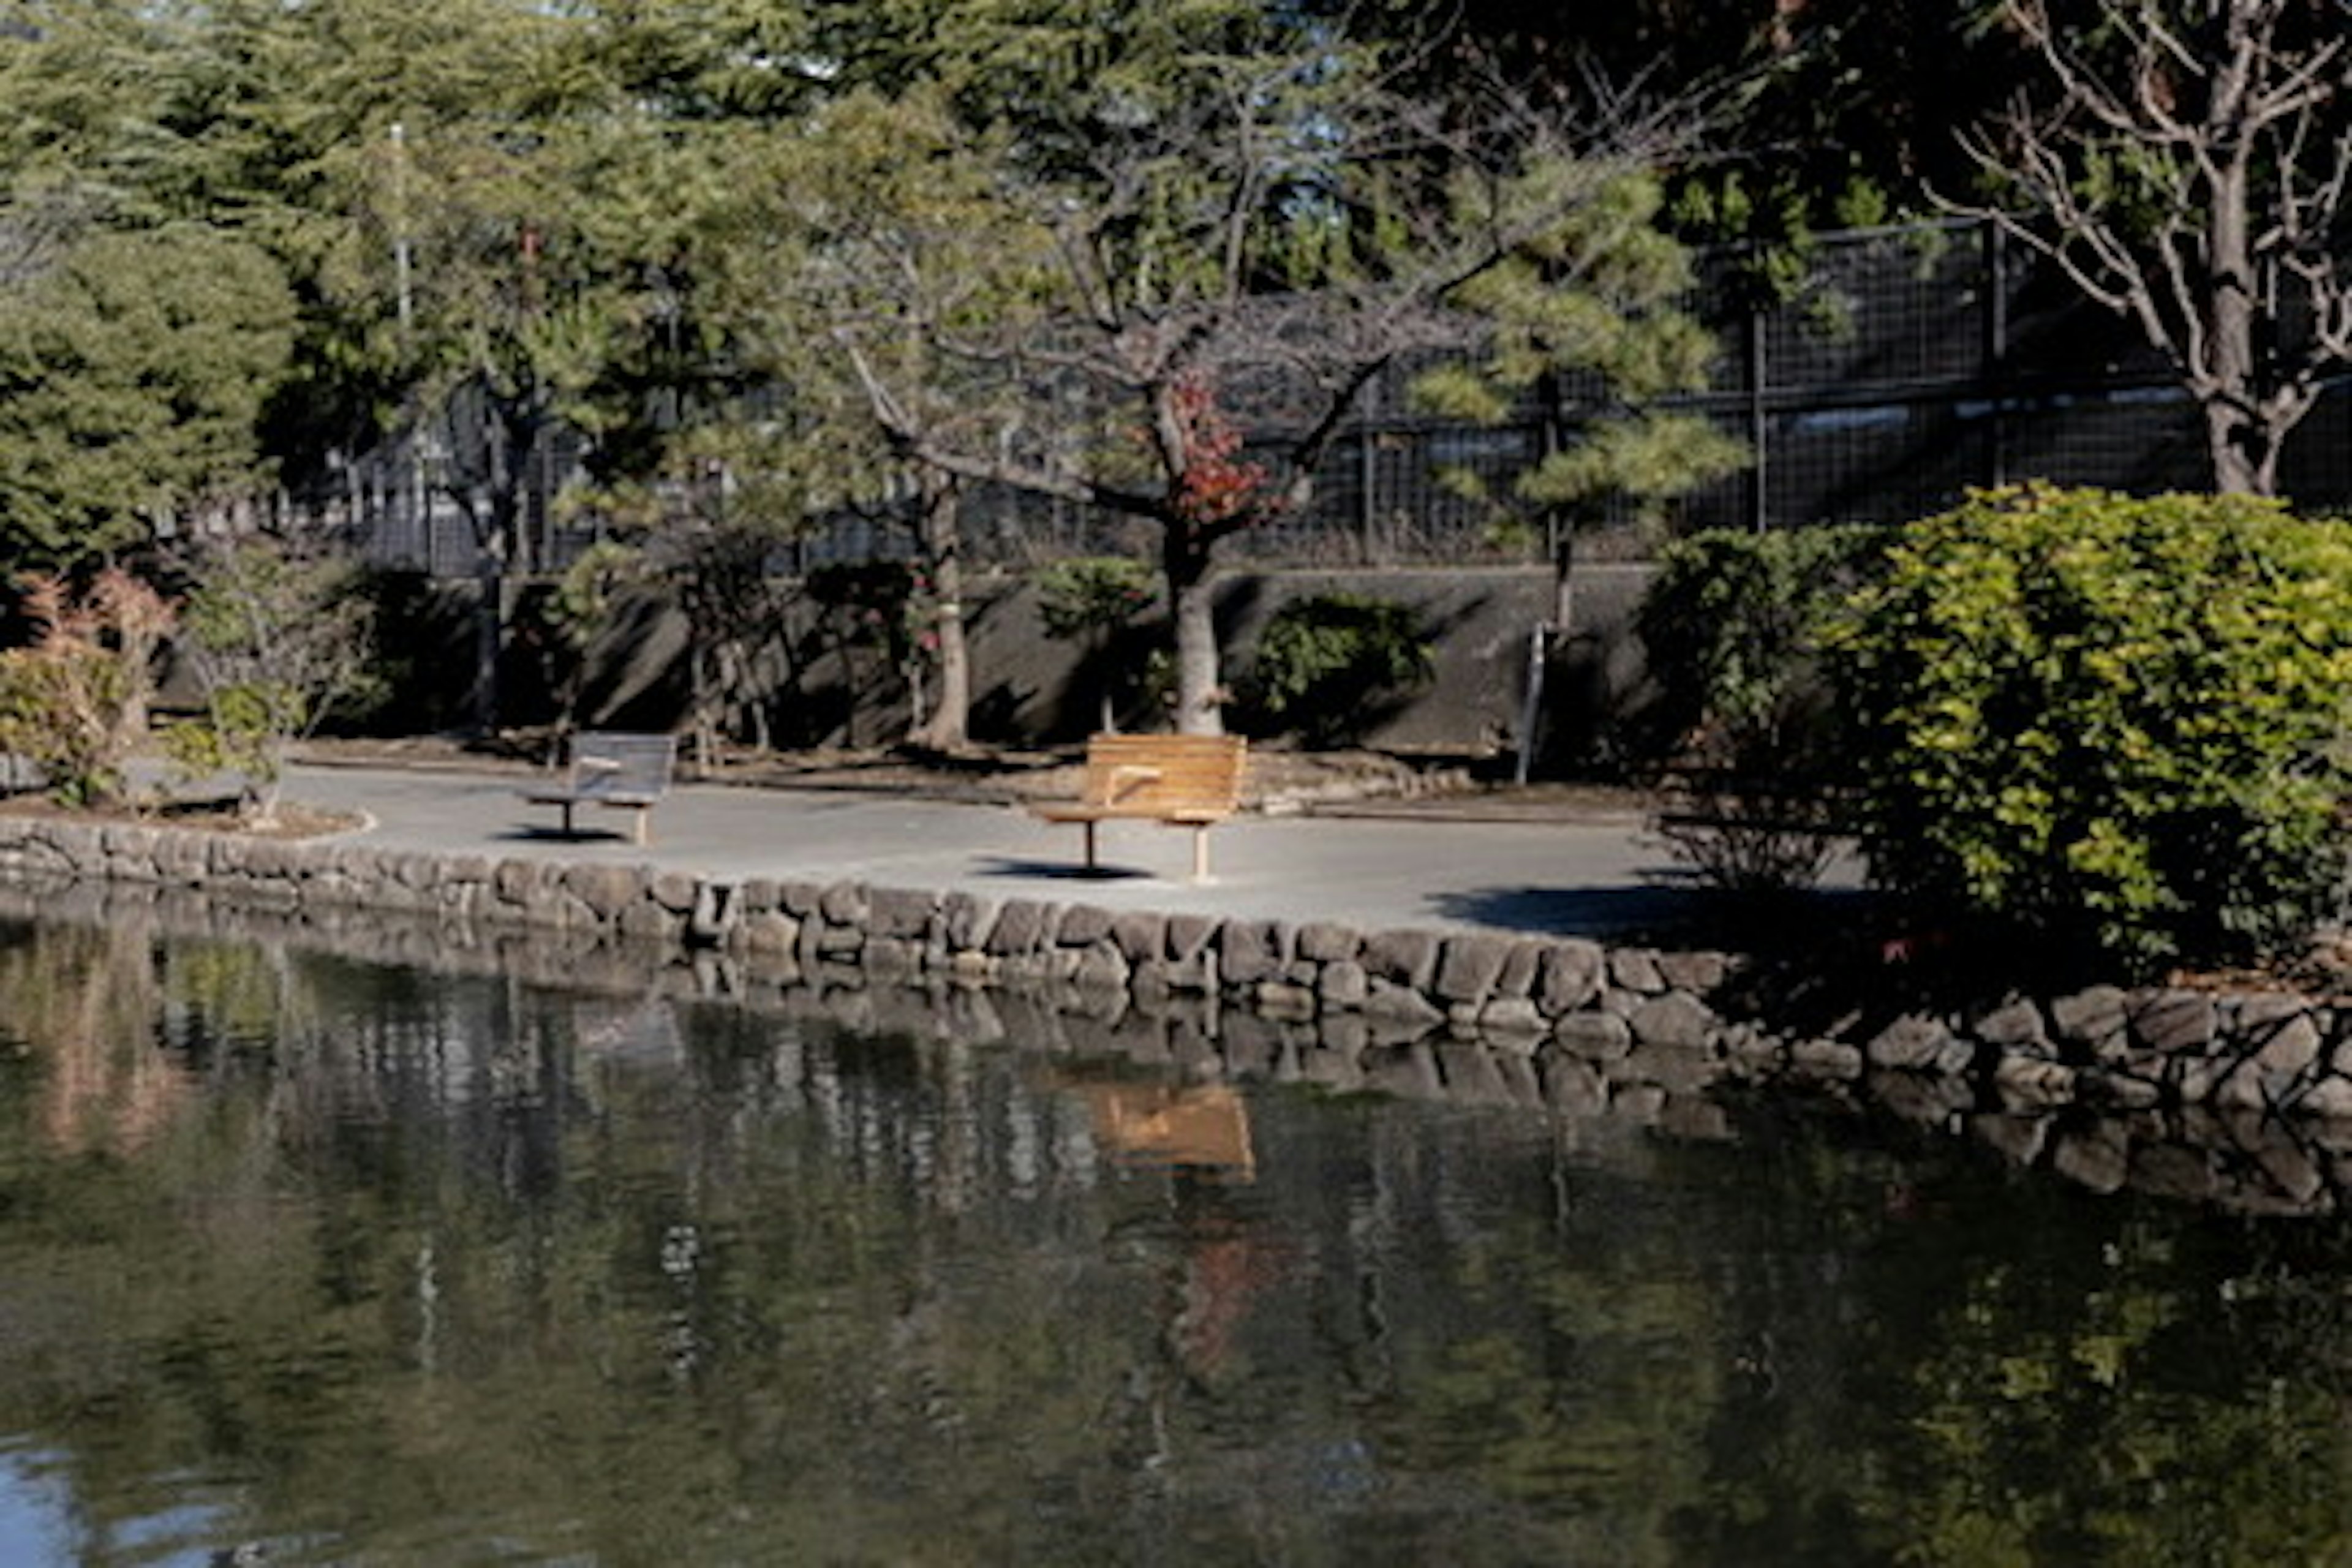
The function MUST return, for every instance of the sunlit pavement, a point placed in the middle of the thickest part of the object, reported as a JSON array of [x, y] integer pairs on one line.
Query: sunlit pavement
[[1592, 874]]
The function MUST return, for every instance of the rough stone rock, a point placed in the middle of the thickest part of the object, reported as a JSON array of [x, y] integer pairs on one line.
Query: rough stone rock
[[2293, 1174], [2015, 1026], [1568, 978], [766, 932], [1597, 1037], [966, 919], [1343, 984], [1020, 928], [2329, 1099], [1250, 952], [645, 920], [1514, 1021], [1325, 943], [890, 960], [845, 904], [674, 890], [1675, 1068], [1190, 937], [1825, 1059], [1405, 958], [901, 913], [2029, 1083], [2111, 1089], [1521, 969], [1635, 969], [2291, 1045], [1282, 999], [1100, 968], [1394, 1002], [1083, 925], [1698, 971], [1912, 1043], [1140, 937], [2098, 1159], [2173, 1022], [606, 889], [1676, 1020], [1467, 967]]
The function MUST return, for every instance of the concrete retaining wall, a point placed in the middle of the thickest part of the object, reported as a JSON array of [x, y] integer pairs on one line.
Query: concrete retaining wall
[[1564, 1023]]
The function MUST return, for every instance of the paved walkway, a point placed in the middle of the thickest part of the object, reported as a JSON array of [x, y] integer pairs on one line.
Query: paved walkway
[[1587, 873]]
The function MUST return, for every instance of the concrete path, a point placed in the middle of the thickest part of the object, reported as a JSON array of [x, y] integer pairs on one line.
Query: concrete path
[[1589, 873]]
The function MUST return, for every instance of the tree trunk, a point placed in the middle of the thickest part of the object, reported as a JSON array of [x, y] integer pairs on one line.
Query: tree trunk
[[1200, 700], [948, 728], [2235, 436]]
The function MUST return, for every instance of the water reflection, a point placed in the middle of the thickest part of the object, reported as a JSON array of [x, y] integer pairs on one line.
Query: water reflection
[[328, 1261]]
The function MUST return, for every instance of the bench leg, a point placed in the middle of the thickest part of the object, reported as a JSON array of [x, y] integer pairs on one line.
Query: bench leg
[[1200, 854], [1089, 827], [566, 807], [640, 828]]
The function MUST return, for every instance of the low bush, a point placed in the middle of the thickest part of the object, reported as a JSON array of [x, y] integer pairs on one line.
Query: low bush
[[1326, 662], [74, 704], [1742, 729], [2113, 724]]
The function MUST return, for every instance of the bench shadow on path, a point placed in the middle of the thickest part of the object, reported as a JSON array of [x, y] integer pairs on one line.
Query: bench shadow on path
[[1063, 870]]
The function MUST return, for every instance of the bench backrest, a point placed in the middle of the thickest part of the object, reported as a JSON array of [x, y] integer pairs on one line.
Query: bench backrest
[[1166, 772], [616, 762]]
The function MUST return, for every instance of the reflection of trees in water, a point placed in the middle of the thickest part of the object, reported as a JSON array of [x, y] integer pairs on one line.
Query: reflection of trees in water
[[84, 1005], [650, 1282]]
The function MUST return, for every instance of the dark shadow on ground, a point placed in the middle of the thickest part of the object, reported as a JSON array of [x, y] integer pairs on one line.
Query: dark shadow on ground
[[558, 835], [1668, 910], [1061, 870]]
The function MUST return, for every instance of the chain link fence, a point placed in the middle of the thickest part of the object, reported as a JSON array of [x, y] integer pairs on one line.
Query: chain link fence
[[1912, 365]]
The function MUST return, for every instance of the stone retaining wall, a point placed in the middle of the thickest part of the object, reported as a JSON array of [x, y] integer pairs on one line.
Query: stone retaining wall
[[1564, 1023]]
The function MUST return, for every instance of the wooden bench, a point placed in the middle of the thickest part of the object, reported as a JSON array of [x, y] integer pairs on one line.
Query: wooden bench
[[1183, 781], [612, 768]]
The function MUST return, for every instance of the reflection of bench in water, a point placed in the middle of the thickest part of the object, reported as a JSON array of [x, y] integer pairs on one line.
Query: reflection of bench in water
[[1184, 781], [1205, 1126], [615, 769]]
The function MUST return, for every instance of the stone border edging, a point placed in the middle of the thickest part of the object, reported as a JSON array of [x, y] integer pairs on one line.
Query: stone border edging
[[1570, 1006]]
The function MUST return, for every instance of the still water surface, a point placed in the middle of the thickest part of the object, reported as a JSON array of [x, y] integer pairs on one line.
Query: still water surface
[[309, 1259]]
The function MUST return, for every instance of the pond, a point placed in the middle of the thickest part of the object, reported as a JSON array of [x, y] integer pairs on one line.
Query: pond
[[306, 1258]]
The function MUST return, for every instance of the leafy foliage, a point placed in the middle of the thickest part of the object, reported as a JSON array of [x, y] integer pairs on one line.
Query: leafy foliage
[[1730, 628], [132, 380], [1087, 595], [276, 639], [1743, 723], [2113, 724], [75, 702], [1324, 661]]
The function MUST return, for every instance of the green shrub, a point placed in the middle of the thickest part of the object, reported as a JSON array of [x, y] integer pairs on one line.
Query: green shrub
[[1742, 725], [2112, 724], [1325, 662], [1096, 599], [1731, 630]]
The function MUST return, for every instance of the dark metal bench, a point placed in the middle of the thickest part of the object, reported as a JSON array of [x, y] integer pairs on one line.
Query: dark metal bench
[[616, 769]]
